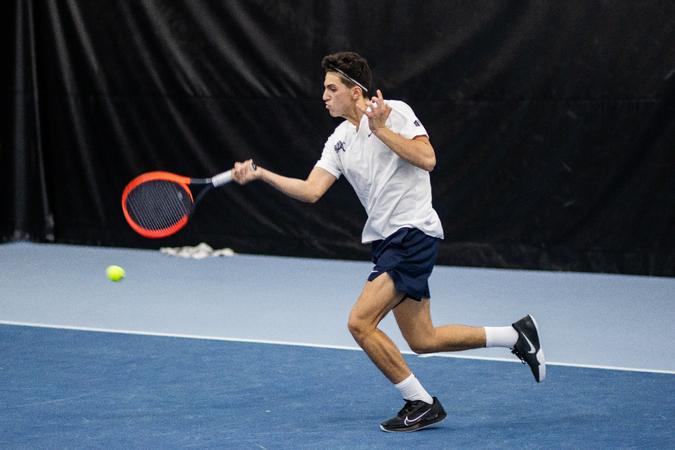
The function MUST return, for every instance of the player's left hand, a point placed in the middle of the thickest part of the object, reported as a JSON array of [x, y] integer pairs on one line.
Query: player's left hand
[[377, 112]]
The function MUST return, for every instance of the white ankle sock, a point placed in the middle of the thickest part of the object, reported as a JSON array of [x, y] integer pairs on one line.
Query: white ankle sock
[[500, 337], [412, 389]]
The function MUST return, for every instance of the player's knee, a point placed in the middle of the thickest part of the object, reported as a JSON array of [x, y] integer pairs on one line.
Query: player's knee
[[421, 346], [358, 327]]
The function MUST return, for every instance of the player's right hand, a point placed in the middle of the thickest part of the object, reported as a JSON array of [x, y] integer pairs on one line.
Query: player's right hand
[[244, 172]]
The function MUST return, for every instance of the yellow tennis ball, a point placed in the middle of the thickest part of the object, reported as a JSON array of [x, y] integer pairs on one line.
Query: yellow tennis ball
[[114, 273]]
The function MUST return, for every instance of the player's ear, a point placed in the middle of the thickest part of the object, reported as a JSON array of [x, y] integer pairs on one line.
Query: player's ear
[[356, 93]]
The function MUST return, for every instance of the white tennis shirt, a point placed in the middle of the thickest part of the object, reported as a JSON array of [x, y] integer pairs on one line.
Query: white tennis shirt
[[394, 193]]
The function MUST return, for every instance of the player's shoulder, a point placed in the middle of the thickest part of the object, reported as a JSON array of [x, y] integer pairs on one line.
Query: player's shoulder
[[344, 126], [403, 120], [339, 133], [401, 113], [400, 107]]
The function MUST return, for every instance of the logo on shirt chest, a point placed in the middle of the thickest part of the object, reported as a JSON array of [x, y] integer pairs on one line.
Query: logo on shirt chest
[[339, 146]]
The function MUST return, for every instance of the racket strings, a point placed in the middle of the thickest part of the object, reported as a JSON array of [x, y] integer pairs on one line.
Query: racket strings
[[158, 204]]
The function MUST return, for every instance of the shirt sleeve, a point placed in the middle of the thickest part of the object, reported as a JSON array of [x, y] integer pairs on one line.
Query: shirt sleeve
[[329, 160], [404, 121]]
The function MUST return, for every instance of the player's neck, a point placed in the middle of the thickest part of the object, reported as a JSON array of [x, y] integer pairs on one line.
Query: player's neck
[[354, 115]]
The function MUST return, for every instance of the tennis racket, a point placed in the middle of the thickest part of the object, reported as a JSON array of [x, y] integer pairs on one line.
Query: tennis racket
[[159, 204]]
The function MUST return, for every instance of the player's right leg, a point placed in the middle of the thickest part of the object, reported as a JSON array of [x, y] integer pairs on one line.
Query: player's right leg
[[378, 297]]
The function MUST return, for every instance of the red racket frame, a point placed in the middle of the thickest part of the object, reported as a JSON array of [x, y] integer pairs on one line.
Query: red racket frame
[[155, 176]]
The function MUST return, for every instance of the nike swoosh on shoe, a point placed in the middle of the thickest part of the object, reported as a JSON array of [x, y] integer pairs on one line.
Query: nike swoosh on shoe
[[416, 419], [532, 349]]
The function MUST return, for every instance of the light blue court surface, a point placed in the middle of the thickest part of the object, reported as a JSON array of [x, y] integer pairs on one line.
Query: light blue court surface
[[62, 387]]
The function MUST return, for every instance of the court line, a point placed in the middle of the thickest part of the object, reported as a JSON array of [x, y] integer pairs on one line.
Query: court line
[[328, 346]]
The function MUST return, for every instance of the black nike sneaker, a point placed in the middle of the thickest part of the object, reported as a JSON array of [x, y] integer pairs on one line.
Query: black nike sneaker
[[414, 416], [528, 347]]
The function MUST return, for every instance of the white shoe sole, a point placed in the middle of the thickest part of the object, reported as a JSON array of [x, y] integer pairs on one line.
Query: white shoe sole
[[540, 354]]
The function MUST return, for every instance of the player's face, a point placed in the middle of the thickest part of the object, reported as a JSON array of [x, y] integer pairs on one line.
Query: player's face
[[339, 99]]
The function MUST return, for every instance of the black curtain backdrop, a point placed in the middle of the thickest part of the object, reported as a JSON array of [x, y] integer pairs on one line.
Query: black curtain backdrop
[[553, 122]]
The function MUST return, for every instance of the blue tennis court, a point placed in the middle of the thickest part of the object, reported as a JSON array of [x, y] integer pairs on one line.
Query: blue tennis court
[[253, 352], [74, 389]]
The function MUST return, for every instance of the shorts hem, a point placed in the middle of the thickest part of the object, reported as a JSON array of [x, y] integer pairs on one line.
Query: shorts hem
[[399, 285]]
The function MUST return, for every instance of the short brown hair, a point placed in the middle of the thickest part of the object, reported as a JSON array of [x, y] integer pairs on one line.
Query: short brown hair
[[353, 67]]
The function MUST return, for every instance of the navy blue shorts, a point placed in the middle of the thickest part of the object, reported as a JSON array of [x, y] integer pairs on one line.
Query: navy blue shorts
[[408, 256]]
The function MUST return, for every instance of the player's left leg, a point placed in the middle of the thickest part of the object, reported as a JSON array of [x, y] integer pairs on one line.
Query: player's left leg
[[522, 337], [414, 319]]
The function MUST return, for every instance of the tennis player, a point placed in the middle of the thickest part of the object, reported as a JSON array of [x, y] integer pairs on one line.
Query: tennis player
[[384, 152]]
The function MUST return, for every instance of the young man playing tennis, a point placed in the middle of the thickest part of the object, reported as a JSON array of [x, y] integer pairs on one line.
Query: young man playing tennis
[[384, 152]]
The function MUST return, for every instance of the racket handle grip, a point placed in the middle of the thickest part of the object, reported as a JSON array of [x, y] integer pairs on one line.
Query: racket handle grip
[[226, 177], [222, 178]]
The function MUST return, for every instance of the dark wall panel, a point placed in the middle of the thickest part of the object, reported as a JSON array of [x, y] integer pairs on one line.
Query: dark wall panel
[[553, 122]]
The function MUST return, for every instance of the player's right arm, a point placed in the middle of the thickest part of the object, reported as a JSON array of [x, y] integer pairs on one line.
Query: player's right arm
[[309, 190]]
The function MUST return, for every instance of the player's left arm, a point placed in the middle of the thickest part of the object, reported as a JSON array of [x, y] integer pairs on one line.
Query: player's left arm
[[418, 151]]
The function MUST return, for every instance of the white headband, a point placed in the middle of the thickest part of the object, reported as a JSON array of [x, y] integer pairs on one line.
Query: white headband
[[348, 77]]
